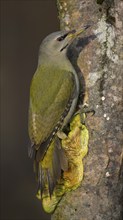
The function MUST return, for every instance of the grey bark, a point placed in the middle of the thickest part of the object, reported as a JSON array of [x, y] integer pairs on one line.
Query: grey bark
[[100, 50]]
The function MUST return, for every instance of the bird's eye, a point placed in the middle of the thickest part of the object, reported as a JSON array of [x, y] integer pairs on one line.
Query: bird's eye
[[62, 37]]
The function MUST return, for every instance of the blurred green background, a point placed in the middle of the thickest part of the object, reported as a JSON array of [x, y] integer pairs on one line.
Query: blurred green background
[[23, 26]]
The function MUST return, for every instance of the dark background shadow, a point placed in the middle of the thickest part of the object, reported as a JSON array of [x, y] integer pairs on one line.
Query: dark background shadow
[[24, 24]]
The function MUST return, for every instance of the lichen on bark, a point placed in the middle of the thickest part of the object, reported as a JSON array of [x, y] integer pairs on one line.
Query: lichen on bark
[[101, 193]]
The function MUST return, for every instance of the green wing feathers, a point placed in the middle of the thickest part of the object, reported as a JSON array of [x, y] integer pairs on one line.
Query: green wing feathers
[[49, 94]]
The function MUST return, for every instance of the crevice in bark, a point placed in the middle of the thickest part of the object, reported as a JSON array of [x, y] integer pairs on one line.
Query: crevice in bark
[[101, 193]]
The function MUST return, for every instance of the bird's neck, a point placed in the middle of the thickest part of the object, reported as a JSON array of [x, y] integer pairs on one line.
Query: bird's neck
[[61, 62]]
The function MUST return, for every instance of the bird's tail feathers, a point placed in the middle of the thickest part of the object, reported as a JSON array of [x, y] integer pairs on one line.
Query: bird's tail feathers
[[48, 175]]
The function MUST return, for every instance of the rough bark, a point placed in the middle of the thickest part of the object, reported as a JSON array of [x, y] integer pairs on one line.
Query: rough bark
[[100, 196]]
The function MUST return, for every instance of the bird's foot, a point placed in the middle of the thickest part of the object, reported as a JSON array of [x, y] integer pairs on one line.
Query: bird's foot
[[84, 112], [61, 135]]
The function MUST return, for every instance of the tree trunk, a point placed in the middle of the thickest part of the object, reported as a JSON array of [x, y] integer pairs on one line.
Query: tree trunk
[[100, 50]]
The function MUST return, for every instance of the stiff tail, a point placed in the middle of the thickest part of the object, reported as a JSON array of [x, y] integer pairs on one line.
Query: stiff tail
[[49, 170]]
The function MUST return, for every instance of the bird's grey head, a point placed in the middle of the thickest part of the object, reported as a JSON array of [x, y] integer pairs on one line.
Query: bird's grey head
[[55, 43], [54, 47]]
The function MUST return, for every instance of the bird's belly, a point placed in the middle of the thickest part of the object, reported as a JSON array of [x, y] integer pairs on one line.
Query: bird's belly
[[74, 102], [71, 112]]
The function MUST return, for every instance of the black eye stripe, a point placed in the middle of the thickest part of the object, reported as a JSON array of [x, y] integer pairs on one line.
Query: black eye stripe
[[65, 35], [62, 37]]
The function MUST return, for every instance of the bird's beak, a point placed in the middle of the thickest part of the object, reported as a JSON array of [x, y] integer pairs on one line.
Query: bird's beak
[[73, 34]]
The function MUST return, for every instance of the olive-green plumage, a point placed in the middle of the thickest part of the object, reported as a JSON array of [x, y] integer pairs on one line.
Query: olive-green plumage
[[51, 89], [54, 94]]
